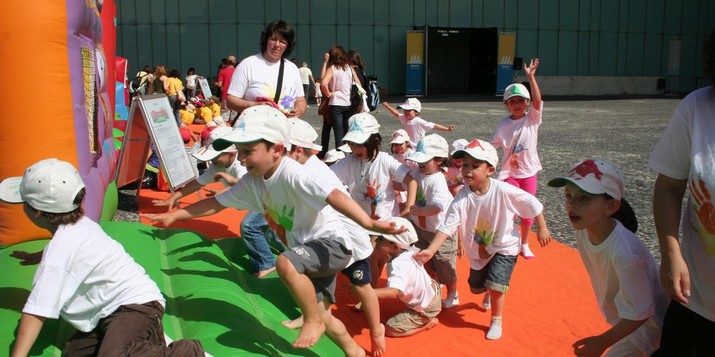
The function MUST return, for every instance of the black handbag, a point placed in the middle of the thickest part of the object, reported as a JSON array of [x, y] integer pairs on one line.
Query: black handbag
[[355, 96]]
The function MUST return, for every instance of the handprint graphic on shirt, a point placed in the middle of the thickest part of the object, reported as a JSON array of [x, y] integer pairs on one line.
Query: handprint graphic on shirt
[[375, 196], [278, 221], [516, 148], [704, 213], [483, 236]]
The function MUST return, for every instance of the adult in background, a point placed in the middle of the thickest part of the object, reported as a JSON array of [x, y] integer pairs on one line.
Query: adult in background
[[255, 82], [683, 160], [306, 76], [222, 82], [158, 82], [336, 85], [174, 91]]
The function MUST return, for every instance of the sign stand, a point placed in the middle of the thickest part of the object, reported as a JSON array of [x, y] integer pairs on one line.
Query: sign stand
[[151, 121]]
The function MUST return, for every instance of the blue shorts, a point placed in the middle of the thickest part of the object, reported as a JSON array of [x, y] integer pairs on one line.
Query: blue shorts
[[495, 276], [359, 272], [320, 260]]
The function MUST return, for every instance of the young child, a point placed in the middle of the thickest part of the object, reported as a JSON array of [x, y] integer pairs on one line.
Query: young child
[[400, 149], [212, 103], [186, 113], [484, 212], [318, 92], [415, 126], [623, 273], [518, 135], [302, 141], [408, 281], [224, 166], [433, 198], [453, 173], [85, 276], [301, 208]]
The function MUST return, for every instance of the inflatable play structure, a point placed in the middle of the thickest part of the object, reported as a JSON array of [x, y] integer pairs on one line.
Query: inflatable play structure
[[61, 59]]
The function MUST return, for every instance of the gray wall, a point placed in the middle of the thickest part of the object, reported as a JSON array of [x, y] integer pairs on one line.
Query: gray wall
[[575, 38]]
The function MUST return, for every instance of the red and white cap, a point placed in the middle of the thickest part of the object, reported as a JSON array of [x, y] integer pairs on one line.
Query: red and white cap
[[480, 150], [595, 177]]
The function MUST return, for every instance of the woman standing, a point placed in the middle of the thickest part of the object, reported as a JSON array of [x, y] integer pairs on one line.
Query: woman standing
[[336, 85], [174, 87]]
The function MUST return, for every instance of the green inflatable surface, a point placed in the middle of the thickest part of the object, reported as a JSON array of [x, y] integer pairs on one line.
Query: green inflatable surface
[[209, 295]]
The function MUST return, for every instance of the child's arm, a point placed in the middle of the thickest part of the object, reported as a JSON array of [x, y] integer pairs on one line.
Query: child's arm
[[542, 231], [443, 128], [596, 345], [202, 208], [387, 293], [27, 332], [424, 255], [411, 194], [426, 211], [345, 205], [230, 179], [188, 189], [530, 71], [390, 109]]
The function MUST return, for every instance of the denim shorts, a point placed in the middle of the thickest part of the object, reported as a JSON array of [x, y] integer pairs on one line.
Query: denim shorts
[[320, 260], [359, 272], [495, 276]]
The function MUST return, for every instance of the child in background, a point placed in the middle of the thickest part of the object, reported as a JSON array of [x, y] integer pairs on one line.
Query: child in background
[[623, 273], [212, 103], [318, 92], [85, 276], [433, 198], [408, 281], [276, 186], [400, 149], [415, 126], [484, 211], [186, 113], [518, 135], [224, 166], [454, 167], [207, 114]]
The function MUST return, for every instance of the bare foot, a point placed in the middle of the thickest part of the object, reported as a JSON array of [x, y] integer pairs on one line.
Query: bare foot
[[293, 324], [377, 338], [309, 334], [355, 351], [263, 273]]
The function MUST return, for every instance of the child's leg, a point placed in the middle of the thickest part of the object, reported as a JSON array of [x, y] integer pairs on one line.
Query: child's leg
[[371, 307], [336, 331], [497, 302], [303, 292], [499, 272], [444, 263], [528, 184]]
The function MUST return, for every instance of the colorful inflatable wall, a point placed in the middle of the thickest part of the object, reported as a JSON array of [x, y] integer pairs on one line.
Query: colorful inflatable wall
[[57, 57]]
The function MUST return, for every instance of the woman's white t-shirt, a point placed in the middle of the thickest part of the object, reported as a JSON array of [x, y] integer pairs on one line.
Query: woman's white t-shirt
[[257, 77]]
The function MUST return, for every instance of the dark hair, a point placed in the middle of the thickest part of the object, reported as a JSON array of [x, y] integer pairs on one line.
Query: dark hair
[[191, 71], [338, 57], [285, 30], [373, 144], [306, 151], [355, 58], [174, 73], [68, 217], [709, 57], [626, 215]]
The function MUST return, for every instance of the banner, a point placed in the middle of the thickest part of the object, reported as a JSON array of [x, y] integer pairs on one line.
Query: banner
[[505, 53], [415, 60]]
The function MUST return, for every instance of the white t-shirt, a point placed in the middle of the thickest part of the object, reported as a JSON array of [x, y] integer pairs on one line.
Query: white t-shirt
[[293, 202], [489, 217], [415, 128], [191, 81], [405, 274], [362, 246], [432, 190], [685, 152], [236, 170], [626, 281], [256, 77], [305, 74], [518, 139], [370, 182], [85, 276]]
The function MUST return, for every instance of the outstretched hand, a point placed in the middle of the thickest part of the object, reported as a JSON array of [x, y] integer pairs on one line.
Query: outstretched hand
[[531, 67], [423, 256], [164, 218], [387, 227]]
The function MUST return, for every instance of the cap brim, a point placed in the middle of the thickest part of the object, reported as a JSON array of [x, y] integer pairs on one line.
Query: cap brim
[[356, 137], [206, 154], [401, 141], [10, 190], [420, 157], [235, 137], [586, 184], [345, 148], [406, 107]]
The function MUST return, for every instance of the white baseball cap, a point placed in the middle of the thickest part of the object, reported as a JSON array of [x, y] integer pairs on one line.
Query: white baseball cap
[[302, 134], [479, 150], [400, 137], [458, 144], [516, 90], [49, 185], [345, 148], [595, 177], [411, 104], [429, 147], [361, 126], [333, 156], [259, 122], [207, 152], [404, 239]]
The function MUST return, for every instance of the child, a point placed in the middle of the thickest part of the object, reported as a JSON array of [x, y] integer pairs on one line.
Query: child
[[518, 134], [454, 167], [623, 273], [302, 137], [207, 114], [433, 198], [415, 126], [212, 103], [85, 276], [276, 186], [484, 211], [224, 167], [400, 147], [318, 92], [186, 113], [408, 281]]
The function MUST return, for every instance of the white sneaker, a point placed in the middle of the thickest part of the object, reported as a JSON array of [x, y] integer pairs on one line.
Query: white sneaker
[[450, 303], [487, 302], [495, 330]]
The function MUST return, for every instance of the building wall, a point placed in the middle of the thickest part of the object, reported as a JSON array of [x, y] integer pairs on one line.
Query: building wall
[[574, 38]]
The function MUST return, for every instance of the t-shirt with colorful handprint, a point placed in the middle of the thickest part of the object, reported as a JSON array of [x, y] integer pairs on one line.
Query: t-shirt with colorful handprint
[[432, 190], [518, 139]]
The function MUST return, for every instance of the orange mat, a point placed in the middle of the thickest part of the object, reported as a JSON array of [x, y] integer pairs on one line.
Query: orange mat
[[550, 303]]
